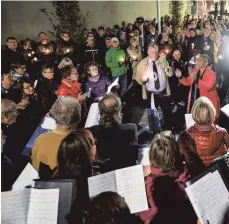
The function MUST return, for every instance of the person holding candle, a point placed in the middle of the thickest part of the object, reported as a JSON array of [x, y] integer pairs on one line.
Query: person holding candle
[[134, 54], [152, 36], [116, 60], [65, 47], [205, 44], [151, 75], [45, 49]]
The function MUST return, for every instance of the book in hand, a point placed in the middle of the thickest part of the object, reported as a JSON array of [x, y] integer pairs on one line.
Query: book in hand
[[93, 116], [26, 178], [127, 182], [209, 196], [67, 195], [30, 206]]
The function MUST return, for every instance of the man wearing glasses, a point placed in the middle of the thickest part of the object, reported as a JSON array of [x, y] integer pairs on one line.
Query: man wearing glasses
[[10, 55], [46, 87]]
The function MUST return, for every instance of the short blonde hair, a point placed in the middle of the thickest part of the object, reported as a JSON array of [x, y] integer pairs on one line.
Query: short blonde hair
[[133, 40], [203, 111]]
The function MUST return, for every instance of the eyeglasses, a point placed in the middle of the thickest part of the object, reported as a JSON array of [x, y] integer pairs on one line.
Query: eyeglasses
[[49, 72]]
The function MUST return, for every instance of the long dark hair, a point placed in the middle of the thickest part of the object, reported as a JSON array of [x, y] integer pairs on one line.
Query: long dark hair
[[74, 154]]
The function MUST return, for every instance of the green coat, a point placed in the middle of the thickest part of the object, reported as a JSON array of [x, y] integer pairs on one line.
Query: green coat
[[113, 57]]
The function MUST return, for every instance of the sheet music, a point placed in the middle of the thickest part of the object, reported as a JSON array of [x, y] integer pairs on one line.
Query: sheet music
[[225, 110], [14, 206], [115, 83], [49, 123], [43, 207], [188, 120], [26, 178], [143, 156], [209, 197], [93, 116], [102, 183], [131, 186]]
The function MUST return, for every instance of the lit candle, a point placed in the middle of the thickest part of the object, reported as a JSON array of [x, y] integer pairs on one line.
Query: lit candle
[[134, 57], [131, 34], [29, 55], [122, 59], [144, 79], [32, 52], [35, 59], [67, 50], [192, 45], [47, 51]]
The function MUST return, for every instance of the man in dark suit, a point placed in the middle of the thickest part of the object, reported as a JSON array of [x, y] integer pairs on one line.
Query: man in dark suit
[[115, 140], [10, 55]]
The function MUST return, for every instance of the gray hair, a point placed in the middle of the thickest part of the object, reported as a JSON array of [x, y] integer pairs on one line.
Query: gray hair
[[206, 58], [9, 110], [66, 111], [154, 46], [65, 62]]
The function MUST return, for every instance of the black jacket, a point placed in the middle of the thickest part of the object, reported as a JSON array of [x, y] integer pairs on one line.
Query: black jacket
[[116, 143], [46, 53], [64, 49], [46, 89], [10, 57], [200, 43]]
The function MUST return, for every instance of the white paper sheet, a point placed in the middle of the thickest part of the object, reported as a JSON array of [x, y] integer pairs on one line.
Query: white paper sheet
[[131, 186], [128, 182], [209, 197], [115, 83], [188, 120], [26, 178], [225, 110], [49, 123], [102, 183], [14, 206], [143, 156], [30, 206], [43, 207], [93, 116]]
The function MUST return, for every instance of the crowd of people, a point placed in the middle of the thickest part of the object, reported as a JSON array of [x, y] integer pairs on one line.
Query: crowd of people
[[173, 71]]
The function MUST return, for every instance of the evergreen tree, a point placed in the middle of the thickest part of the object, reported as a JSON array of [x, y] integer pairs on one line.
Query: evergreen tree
[[67, 17], [175, 9]]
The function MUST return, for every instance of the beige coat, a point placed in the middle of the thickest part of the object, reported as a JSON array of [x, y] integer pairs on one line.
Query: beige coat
[[142, 68]]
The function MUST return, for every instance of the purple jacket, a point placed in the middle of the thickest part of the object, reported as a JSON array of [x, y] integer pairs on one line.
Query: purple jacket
[[98, 88]]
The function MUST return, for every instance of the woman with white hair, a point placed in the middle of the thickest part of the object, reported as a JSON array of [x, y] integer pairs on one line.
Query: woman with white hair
[[202, 82], [204, 140]]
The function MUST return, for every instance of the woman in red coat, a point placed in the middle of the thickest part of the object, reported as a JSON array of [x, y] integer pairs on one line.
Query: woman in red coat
[[69, 84], [203, 83], [167, 200]]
